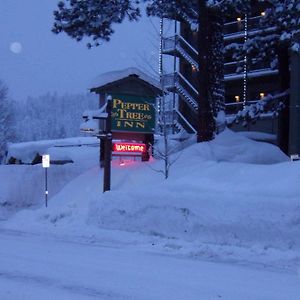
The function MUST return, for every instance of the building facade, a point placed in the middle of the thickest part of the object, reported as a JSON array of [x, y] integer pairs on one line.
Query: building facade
[[245, 81]]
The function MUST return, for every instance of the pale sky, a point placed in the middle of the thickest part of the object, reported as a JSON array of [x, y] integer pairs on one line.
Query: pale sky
[[34, 61]]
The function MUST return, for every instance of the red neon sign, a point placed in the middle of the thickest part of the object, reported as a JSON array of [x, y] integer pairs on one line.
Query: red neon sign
[[129, 147]]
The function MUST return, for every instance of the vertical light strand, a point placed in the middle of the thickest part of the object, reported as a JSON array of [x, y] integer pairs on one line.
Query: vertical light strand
[[160, 66], [160, 104], [245, 75], [174, 94]]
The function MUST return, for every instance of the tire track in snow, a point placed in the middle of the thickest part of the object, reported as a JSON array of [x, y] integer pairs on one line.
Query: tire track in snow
[[72, 288]]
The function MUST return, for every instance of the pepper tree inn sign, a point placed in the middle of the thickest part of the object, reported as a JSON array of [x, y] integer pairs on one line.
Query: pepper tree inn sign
[[132, 113], [128, 127]]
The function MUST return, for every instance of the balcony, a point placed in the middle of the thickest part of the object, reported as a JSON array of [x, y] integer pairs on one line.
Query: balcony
[[233, 108], [251, 74], [236, 30], [237, 67], [178, 46], [239, 25], [175, 82]]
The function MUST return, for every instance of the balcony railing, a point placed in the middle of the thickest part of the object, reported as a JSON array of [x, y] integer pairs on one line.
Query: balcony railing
[[169, 44], [236, 67], [184, 122], [239, 26], [232, 108], [179, 45], [175, 82], [168, 81]]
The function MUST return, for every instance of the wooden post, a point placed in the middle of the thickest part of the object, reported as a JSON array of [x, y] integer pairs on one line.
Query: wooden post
[[101, 153], [46, 187], [107, 148]]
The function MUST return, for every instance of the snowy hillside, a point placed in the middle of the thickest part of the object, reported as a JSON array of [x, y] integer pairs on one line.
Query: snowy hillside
[[232, 192]]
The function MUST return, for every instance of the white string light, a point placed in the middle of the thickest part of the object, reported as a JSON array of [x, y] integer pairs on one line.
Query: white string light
[[160, 47], [245, 62]]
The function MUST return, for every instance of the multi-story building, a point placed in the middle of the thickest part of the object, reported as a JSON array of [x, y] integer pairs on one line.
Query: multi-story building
[[245, 83]]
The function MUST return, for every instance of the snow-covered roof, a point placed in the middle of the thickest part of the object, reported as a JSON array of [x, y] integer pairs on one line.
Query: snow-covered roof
[[112, 76], [27, 151]]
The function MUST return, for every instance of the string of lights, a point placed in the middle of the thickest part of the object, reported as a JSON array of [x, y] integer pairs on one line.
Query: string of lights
[[245, 74], [160, 66]]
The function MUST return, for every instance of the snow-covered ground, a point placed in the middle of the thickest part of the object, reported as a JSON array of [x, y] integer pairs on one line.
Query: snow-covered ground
[[229, 214], [22, 186], [34, 267]]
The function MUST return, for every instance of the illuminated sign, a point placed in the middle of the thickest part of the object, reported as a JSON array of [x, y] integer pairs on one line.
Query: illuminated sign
[[129, 147], [133, 113]]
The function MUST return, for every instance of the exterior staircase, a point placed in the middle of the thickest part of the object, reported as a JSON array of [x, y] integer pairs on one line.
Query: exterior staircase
[[177, 83], [178, 46]]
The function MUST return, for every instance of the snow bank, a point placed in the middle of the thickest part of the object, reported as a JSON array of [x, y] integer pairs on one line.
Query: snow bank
[[259, 136], [233, 192]]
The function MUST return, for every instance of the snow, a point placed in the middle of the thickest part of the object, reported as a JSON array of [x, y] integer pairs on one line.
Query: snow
[[52, 268], [229, 210], [91, 119], [22, 186], [27, 151], [259, 136], [226, 173], [112, 76]]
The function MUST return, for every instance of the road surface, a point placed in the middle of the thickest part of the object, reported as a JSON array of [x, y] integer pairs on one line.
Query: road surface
[[35, 266]]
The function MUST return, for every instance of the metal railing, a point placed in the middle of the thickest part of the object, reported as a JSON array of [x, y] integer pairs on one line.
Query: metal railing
[[232, 108], [168, 81], [169, 44], [177, 82], [183, 48], [239, 26], [236, 67], [183, 82], [184, 122]]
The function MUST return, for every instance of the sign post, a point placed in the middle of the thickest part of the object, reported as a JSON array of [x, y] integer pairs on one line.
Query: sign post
[[107, 148], [46, 165]]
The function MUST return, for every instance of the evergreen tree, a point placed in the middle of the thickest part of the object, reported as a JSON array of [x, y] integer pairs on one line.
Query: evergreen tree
[[93, 18], [6, 120]]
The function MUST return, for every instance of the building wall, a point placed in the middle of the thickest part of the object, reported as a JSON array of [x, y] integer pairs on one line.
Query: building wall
[[258, 83]]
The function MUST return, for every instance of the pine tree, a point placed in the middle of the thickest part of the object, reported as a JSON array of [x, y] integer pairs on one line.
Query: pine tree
[[93, 18], [6, 120]]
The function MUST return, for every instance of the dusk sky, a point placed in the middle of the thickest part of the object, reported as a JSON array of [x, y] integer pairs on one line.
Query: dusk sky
[[34, 61]]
